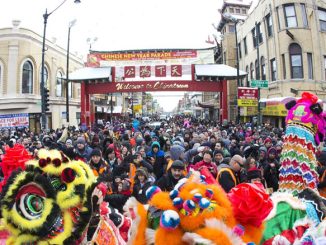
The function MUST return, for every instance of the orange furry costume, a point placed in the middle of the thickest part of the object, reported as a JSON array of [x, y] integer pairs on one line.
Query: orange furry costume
[[197, 213]]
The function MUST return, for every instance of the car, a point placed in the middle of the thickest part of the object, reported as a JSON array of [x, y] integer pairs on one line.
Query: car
[[163, 117], [155, 124], [146, 119]]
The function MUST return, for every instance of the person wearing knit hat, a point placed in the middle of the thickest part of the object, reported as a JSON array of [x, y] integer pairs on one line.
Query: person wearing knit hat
[[218, 157], [99, 166], [228, 173], [268, 142], [176, 153], [82, 149], [141, 185], [69, 143], [171, 178], [271, 170], [254, 175]]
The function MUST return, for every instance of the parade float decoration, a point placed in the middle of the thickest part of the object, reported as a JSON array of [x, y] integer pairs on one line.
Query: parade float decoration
[[56, 201], [195, 212], [298, 208]]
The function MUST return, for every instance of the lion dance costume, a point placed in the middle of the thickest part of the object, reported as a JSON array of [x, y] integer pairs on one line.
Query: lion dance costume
[[56, 201], [298, 209], [199, 213]]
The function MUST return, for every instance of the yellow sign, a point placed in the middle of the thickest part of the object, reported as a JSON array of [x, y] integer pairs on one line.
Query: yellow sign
[[247, 102], [275, 110], [137, 108]]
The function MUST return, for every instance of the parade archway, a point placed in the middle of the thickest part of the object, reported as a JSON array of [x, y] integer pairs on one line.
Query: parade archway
[[152, 71], [204, 78]]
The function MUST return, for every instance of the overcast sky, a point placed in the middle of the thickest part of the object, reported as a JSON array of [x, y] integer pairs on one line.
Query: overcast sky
[[119, 24]]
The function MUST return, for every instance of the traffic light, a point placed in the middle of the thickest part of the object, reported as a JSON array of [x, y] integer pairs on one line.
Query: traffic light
[[46, 100]]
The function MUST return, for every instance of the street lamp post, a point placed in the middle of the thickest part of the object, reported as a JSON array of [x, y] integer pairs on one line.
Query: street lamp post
[[71, 24], [45, 18]]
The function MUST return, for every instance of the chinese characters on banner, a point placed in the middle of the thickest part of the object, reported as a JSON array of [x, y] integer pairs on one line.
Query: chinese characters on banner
[[145, 71], [130, 71], [160, 71], [247, 96]]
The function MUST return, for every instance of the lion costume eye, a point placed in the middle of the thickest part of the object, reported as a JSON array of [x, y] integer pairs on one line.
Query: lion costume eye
[[30, 206]]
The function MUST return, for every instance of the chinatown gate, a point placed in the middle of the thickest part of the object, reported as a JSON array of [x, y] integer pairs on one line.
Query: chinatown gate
[[151, 71]]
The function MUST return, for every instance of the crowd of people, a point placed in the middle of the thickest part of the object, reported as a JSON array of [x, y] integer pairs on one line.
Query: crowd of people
[[130, 157]]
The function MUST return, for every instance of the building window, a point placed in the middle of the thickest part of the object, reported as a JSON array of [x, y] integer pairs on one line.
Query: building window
[[278, 18], [263, 68], [245, 45], [269, 24], [296, 61], [260, 36], [231, 28], [244, 11], [253, 33], [46, 77], [290, 16], [59, 87], [273, 69], [252, 71], [247, 76], [231, 10], [27, 78], [284, 66], [322, 19], [256, 69], [237, 11], [304, 15], [239, 49], [310, 66]]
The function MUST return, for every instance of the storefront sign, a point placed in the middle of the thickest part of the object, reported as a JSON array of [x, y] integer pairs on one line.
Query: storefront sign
[[247, 96], [248, 111], [14, 120], [275, 110], [247, 102]]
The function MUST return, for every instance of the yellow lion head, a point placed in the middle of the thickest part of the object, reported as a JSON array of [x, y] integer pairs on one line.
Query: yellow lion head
[[49, 202]]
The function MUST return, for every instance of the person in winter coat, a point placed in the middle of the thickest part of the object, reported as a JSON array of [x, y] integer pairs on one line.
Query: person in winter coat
[[262, 157], [141, 185], [99, 166], [207, 162], [156, 157], [171, 178], [227, 175], [271, 170], [83, 149], [120, 193]]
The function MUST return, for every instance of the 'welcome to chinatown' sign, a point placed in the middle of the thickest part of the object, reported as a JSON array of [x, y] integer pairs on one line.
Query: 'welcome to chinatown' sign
[[147, 86]]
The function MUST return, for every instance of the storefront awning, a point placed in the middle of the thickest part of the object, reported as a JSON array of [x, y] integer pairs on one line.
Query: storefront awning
[[205, 105], [91, 73], [218, 70], [275, 106]]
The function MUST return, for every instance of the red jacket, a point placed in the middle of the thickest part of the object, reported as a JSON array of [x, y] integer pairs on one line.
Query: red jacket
[[211, 166]]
